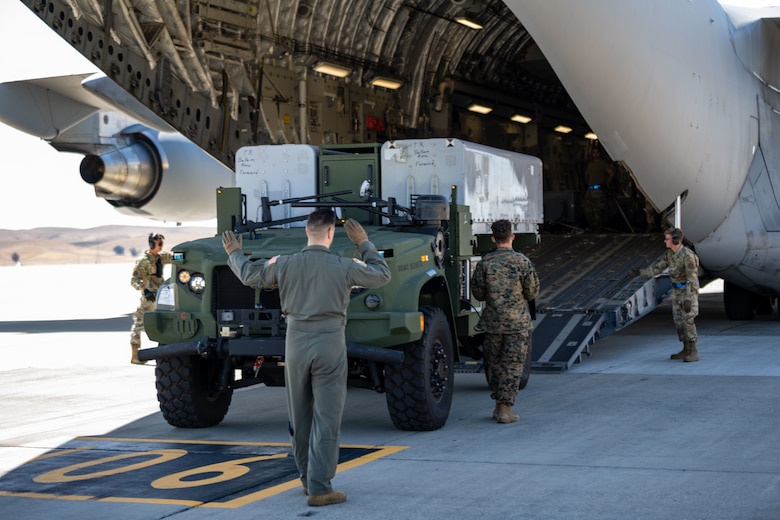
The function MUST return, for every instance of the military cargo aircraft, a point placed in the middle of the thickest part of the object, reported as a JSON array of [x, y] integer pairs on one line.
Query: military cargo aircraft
[[682, 95]]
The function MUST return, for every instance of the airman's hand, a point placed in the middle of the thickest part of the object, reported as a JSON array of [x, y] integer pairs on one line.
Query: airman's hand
[[355, 232], [231, 243], [634, 272]]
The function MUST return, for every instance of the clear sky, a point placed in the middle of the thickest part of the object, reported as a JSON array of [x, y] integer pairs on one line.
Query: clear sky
[[40, 186]]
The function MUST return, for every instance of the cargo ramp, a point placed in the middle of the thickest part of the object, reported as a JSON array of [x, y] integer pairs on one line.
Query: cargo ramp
[[587, 292]]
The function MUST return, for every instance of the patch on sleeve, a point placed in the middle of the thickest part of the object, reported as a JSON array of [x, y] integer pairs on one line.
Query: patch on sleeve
[[272, 260], [359, 262]]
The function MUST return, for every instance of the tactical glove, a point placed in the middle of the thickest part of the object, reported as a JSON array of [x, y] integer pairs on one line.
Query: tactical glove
[[355, 232], [231, 243], [149, 295], [634, 272]]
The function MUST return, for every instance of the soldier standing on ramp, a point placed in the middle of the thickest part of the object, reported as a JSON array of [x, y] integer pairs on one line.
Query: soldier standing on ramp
[[147, 278], [314, 288], [683, 265], [506, 280]]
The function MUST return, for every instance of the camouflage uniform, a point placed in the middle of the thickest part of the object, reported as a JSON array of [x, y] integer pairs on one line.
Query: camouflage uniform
[[505, 280], [684, 273], [147, 276], [314, 289], [596, 176]]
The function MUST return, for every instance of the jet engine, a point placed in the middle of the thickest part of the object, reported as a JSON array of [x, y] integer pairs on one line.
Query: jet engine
[[157, 175]]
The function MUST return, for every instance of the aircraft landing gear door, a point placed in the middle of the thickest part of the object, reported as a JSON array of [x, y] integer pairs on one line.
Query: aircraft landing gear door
[[351, 167]]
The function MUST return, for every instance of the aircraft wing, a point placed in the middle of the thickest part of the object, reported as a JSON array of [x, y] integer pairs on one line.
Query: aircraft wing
[[46, 107], [49, 107]]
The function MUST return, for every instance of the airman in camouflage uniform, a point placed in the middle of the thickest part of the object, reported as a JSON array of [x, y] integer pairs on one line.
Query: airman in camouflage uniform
[[147, 278], [505, 280], [683, 266], [314, 290]]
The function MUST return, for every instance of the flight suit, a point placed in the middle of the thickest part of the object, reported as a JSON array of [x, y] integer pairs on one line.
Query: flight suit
[[684, 273], [505, 280], [314, 289]]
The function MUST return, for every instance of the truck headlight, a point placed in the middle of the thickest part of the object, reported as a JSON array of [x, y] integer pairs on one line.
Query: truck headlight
[[184, 276], [197, 283], [373, 301]]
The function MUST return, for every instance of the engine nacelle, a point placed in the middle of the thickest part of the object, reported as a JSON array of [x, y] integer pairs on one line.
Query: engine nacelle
[[156, 175]]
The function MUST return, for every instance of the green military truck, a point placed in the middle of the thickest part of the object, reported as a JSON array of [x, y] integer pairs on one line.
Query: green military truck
[[426, 204]]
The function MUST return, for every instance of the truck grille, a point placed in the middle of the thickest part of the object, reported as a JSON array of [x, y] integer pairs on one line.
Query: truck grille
[[229, 292]]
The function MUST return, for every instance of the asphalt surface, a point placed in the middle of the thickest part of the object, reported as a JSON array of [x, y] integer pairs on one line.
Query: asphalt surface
[[626, 433]]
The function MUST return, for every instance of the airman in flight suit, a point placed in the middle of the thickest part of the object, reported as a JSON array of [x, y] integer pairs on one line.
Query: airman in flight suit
[[314, 290]]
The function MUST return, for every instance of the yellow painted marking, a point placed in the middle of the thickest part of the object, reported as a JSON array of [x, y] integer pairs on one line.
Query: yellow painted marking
[[157, 501], [382, 451], [61, 474], [45, 495], [183, 441], [227, 471]]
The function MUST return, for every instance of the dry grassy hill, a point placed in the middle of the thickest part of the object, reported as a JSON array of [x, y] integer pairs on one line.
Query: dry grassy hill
[[99, 245]]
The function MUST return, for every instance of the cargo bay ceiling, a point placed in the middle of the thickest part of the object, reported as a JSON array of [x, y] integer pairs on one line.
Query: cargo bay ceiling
[[201, 64]]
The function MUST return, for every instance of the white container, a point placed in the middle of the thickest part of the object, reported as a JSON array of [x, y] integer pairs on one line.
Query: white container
[[495, 184], [279, 171]]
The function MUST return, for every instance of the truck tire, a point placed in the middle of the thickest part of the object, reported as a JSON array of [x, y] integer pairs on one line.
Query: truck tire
[[186, 401], [419, 390]]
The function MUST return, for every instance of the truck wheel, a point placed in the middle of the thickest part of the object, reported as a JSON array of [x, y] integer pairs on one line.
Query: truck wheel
[[186, 401], [419, 390]]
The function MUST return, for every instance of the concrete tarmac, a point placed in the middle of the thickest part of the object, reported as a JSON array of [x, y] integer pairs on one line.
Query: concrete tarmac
[[626, 433]]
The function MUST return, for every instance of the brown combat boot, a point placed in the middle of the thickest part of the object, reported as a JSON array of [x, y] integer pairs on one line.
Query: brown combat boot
[[334, 497], [505, 415], [693, 355], [495, 412], [684, 352]]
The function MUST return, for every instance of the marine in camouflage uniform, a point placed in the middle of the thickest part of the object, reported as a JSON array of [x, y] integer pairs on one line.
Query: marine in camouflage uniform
[[683, 266], [505, 280], [147, 278], [598, 175], [314, 290]]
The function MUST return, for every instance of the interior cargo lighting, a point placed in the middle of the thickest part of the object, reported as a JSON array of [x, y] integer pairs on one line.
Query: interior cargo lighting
[[391, 84], [480, 109], [562, 129], [520, 118], [591, 136], [471, 24], [331, 69]]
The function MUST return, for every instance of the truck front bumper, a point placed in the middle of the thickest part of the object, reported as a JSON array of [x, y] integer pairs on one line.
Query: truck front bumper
[[256, 347]]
